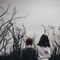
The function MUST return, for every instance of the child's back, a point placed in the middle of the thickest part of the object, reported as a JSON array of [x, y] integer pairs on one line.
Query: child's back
[[29, 54]]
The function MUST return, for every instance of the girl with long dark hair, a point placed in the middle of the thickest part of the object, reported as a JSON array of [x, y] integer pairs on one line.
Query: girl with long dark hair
[[43, 48]]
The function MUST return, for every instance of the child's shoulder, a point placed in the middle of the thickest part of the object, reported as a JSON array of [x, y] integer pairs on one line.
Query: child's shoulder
[[28, 49]]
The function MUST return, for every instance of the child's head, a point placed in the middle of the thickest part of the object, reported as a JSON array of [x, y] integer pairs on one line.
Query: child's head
[[29, 41], [44, 41]]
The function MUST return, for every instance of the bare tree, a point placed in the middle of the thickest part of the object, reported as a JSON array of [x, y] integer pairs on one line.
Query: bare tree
[[44, 29], [7, 28]]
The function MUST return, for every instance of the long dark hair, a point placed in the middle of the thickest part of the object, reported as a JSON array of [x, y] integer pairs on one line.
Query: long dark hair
[[44, 41]]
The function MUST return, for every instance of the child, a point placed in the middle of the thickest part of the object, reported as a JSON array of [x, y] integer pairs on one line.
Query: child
[[44, 48], [29, 53]]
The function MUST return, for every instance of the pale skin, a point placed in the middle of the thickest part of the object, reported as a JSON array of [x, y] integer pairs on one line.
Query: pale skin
[[29, 46]]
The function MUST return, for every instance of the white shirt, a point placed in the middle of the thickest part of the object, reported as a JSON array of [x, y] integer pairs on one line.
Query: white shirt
[[43, 53]]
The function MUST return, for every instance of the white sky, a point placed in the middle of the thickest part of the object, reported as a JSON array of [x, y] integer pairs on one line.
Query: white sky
[[45, 12]]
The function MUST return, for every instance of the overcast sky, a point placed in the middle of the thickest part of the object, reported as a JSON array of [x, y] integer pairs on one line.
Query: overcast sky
[[45, 12]]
